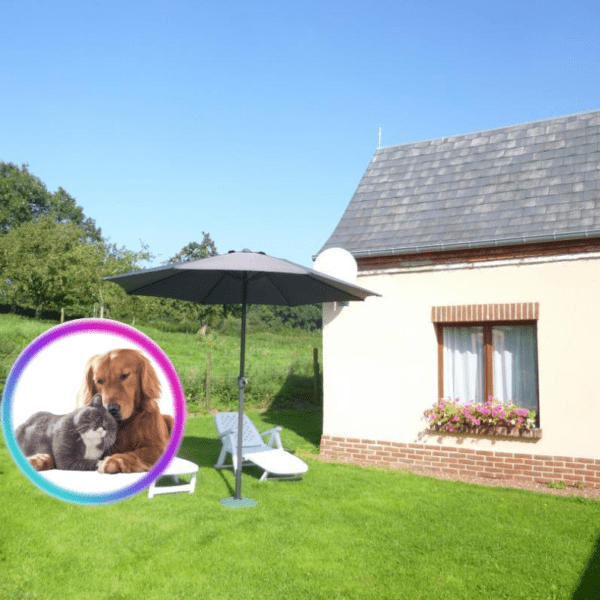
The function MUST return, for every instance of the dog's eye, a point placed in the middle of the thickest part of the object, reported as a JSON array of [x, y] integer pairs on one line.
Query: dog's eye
[[124, 376], [100, 381]]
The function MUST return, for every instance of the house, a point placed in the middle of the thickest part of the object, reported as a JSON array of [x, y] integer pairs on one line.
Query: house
[[485, 249]]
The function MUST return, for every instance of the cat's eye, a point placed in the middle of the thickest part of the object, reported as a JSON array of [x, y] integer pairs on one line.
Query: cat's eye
[[124, 376]]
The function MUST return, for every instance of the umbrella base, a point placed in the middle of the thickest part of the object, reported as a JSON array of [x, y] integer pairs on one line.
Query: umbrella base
[[238, 502]]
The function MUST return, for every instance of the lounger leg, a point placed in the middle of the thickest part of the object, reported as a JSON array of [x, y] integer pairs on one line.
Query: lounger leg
[[221, 461]]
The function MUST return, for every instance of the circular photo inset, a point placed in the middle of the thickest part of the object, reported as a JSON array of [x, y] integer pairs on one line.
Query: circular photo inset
[[93, 411]]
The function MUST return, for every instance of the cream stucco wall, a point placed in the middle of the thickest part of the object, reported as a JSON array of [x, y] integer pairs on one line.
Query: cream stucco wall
[[380, 356]]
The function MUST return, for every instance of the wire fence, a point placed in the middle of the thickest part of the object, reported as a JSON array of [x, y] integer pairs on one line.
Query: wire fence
[[300, 383]]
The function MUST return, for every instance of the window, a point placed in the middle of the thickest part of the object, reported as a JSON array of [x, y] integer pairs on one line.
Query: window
[[488, 356]]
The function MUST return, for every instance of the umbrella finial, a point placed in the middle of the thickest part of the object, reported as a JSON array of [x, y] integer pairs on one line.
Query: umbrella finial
[[248, 250]]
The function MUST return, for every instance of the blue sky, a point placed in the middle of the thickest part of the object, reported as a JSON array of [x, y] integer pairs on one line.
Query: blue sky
[[254, 121]]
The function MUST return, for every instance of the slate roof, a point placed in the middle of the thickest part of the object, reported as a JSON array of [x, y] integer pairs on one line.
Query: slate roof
[[524, 183]]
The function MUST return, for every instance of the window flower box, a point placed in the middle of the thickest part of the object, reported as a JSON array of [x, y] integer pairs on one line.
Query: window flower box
[[489, 418], [491, 431]]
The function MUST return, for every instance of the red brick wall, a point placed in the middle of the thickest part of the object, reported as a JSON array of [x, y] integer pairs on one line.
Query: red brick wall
[[464, 461]]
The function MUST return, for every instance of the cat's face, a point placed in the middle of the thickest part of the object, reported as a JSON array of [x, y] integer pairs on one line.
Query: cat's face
[[95, 424]]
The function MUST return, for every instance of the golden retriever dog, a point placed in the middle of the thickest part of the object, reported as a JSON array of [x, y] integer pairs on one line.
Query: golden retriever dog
[[129, 388]]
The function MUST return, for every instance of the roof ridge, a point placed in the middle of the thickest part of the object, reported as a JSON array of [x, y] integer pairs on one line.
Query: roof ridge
[[481, 131]]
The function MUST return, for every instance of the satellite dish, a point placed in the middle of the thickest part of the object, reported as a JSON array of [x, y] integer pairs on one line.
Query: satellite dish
[[338, 263]]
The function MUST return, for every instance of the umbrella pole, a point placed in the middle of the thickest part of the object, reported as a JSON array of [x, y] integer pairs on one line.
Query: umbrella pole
[[241, 385], [237, 501]]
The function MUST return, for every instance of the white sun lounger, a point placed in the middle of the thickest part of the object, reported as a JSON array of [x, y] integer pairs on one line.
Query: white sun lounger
[[269, 456], [92, 482], [178, 466]]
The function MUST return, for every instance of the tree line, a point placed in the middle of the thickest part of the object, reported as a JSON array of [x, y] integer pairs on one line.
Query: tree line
[[54, 257]]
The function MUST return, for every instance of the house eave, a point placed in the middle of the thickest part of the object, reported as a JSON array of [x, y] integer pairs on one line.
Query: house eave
[[499, 242]]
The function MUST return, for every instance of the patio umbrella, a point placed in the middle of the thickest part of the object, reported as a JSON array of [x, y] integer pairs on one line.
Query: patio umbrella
[[240, 278]]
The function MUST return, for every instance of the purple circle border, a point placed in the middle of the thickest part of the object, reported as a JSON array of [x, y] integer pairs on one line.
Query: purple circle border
[[105, 326]]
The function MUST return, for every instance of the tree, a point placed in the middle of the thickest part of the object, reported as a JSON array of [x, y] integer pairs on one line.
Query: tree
[[64, 209], [121, 260], [307, 316], [274, 318], [24, 198], [113, 297], [52, 255], [49, 265], [195, 250]]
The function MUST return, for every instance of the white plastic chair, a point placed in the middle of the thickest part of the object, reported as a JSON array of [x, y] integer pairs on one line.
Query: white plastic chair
[[178, 466], [269, 456]]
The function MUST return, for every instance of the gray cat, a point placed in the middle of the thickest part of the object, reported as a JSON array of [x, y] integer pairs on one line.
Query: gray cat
[[77, 441]]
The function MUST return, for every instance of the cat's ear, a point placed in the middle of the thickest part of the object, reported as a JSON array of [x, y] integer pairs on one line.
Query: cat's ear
[[87, 389], [96, 401]]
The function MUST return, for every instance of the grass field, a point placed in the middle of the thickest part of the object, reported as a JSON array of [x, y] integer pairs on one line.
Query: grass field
[[279, 366], [343, 532]]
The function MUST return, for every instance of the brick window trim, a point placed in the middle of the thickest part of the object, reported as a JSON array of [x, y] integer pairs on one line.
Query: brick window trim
[[468, 313], [451, 461]]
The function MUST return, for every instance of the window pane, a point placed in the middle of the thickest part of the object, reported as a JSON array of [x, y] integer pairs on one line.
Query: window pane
[[515, 373], [463, 363]]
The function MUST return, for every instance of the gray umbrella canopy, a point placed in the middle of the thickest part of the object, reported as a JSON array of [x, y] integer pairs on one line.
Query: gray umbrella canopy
[[220, 280], [240, 278]]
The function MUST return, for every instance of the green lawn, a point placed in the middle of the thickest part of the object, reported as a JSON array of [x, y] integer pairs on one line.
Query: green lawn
[[342, 532]]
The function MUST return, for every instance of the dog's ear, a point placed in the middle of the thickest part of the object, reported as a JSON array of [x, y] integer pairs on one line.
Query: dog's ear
[[87, 389], [168, 419], [149, 382]]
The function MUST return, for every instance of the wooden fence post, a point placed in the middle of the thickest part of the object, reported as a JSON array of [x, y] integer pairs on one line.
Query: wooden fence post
[[316, 377], [208, 381]]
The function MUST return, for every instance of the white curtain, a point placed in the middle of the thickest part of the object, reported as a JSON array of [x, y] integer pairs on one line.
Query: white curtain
[[515, 365], [463, 363]]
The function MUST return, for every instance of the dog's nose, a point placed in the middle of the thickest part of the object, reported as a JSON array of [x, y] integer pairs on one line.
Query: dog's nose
[[114, 410]]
